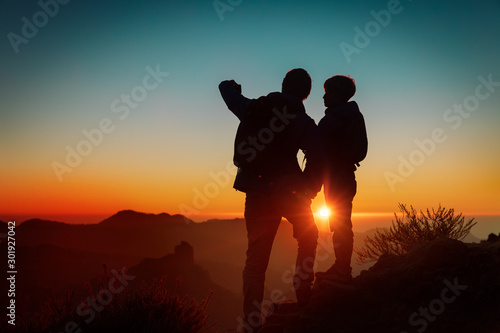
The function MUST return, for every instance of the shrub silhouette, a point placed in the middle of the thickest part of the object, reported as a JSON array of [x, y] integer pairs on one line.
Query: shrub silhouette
[[148, 307], [52, 315], [153, 308], [413, 228]]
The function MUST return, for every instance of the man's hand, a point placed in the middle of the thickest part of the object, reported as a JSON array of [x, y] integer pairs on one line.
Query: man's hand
[[236, 85]]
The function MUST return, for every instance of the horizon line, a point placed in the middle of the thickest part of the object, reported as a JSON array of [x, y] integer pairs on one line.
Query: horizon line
[[94, 218]]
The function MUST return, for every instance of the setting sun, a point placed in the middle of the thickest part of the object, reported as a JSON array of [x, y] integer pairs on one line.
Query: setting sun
[[324, 212]]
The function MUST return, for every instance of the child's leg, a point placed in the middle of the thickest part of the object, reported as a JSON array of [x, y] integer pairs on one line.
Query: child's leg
[[339, 195]]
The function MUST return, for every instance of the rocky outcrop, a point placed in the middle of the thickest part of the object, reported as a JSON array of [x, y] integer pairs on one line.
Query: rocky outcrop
[[441, 286]]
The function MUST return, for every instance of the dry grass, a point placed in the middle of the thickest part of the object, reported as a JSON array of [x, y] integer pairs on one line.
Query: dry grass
[[413, 227], [146, 307]]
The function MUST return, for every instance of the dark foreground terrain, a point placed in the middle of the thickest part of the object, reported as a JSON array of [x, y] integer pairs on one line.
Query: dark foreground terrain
[[442, 286]]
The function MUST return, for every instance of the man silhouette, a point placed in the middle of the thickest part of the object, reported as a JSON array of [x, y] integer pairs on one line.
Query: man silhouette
[[272, 130]]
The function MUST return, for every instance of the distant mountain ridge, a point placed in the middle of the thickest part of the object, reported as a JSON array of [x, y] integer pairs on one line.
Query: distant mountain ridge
[[132, 218], [121, 218], [139, 242], [127, 232], [135, 234]]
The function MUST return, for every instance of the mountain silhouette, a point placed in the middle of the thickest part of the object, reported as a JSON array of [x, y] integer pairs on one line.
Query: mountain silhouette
[[53, 267], [221, 244], [46, 270], [224, 306], [126, 232], [130, 218], [57, 257]]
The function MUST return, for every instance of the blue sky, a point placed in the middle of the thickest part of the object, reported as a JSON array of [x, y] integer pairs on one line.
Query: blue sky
[[65, 78]]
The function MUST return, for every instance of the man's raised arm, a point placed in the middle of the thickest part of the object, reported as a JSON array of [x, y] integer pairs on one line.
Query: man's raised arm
[[235, 101]]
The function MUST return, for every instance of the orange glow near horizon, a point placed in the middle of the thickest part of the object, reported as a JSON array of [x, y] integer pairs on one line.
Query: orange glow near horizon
[[104, 191], [85, 199]]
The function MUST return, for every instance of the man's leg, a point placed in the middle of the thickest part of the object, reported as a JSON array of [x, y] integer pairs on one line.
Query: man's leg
[[262, 222], [297, 211]]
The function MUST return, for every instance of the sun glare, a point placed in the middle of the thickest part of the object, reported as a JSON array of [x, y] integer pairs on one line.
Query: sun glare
[[324, 212]]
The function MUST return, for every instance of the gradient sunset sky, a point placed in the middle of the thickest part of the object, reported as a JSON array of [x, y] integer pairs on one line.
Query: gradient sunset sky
[[414, 71]]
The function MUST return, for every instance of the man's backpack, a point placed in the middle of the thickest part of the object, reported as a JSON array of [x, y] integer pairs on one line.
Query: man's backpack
[[262, 139]]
